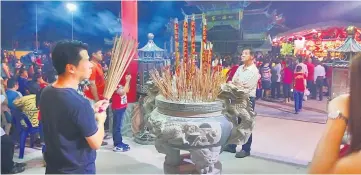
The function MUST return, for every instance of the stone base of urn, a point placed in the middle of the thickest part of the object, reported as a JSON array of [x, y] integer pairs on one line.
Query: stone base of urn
[[144, 138], [200, 128], [187, 166]]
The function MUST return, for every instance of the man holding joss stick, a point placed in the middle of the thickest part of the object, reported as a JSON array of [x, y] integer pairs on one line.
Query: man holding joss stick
[[73, 128], [97, 81]]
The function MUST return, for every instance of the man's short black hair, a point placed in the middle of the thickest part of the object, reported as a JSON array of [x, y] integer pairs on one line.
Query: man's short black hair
[[67, 52], [300, 59], [22, 70], [12, 82], [298, 68], [235, 60], [94, 50], [251, 52]]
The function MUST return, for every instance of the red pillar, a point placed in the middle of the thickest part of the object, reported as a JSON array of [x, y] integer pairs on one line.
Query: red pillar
[[129, 18]]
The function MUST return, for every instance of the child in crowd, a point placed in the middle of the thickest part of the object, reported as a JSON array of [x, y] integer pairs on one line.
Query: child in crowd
[[299, 88], [266, 78], [119, 106]]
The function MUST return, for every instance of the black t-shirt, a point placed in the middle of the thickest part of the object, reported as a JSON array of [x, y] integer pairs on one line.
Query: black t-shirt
[[67, 119]]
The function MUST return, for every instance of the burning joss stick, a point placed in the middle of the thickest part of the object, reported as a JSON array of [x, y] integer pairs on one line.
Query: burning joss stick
[[176, 44], [124, 49]]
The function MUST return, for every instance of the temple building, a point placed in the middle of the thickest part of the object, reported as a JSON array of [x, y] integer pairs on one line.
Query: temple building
[[231, 26]]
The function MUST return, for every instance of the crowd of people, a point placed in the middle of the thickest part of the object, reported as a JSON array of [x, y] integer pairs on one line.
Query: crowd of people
[[73, 115], [22, 82], [279, 80]]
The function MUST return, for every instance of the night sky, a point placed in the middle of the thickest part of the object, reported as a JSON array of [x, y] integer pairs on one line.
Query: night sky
[[94, 21]]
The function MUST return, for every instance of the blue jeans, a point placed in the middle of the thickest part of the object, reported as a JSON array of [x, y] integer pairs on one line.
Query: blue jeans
[[118, 116], [247, 146], [298, 98]]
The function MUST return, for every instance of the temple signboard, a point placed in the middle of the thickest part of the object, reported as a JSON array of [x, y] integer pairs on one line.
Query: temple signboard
[[224, 17]]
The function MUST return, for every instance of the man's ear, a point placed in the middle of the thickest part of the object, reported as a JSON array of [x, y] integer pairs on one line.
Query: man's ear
[[70, 68]]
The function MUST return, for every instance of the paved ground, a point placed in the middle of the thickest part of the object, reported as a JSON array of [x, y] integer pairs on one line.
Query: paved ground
[[282, 143], [310, 105], [143, 159]]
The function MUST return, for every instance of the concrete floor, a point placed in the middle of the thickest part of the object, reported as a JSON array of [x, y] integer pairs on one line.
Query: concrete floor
[[144, 159], [280, 146]]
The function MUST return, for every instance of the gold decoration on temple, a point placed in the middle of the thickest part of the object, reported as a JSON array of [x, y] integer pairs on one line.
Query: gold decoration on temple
[[351, 30]]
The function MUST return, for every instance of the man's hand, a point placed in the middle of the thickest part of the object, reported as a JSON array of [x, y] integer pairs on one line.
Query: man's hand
[[120, 90], [239, 84], [101, 117], [101, 105], [127, 78]]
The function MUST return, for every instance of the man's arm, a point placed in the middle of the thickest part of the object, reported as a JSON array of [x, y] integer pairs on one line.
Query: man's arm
[[250, 81], [94, 90], [92, 86], [95, 140], [91, 124], [125, 89]]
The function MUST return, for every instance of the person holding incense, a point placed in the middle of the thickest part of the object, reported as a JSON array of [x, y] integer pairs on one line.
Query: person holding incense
[[119, 106], [97, 82], [73, 128], [246, 79]]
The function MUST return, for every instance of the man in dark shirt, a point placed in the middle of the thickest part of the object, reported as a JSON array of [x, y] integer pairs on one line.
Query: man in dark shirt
[[23, 82], [73, 129]]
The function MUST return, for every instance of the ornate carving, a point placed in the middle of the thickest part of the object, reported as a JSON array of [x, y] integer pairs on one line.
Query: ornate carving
[[238, 110], [209, 107], [184, 133], [207, 160], [205, 134], [147, 104]]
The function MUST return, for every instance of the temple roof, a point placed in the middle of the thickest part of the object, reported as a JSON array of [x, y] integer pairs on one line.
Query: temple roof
[[218, 5], [350, 45], [151, 46], [255, 23], [257, 17]]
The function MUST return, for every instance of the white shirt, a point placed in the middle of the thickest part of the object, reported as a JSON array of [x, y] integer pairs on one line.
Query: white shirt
[[278, 68], [248, 76], [304, 68], [319, 72], [2, 132]]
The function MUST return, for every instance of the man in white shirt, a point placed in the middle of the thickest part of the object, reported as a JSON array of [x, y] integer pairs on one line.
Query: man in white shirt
[[303, 65], [246, 78], [319, 76], [8, 166]]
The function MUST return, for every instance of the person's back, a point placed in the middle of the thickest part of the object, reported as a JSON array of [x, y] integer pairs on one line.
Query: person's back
[[11, 92], [11, 95], [287, 75], [67, 120], [266, 73]]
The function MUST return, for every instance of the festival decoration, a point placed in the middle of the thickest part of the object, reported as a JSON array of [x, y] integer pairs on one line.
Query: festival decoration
[[193, 43], [185, 40], [286, 49], [204, 41], [176, 44], [124, 49]]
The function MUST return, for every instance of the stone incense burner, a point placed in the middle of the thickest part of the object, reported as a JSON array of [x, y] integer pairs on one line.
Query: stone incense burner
[[200, 128]]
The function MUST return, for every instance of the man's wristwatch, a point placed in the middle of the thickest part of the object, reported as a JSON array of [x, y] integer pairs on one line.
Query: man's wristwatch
[[337, 115]]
